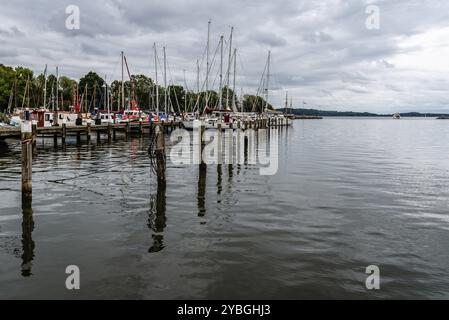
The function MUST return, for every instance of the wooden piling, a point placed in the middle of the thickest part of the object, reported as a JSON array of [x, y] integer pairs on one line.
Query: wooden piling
[[202, 142], [160, 155], [34, 137], [109, 133], [127, 130], [219, 143], [64, 133], [202, 168], [27, 159], [88, 131]]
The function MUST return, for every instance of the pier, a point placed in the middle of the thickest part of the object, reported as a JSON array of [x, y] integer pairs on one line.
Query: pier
[[64, 131]]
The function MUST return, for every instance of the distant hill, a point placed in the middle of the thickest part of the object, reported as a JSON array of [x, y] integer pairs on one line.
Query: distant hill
[[322, 113]]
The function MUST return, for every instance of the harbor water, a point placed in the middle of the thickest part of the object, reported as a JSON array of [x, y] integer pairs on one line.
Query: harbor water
[[348, 194]]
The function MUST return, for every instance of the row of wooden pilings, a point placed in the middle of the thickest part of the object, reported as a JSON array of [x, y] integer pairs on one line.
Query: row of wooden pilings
[[29, 133], [260, 123], [29, 136]]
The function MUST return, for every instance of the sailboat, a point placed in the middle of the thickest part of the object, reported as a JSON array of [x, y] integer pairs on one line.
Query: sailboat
[[211, 117], [133, 114]]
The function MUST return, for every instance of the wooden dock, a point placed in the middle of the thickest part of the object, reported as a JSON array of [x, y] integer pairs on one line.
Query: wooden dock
[[63, 131], [29, 133]]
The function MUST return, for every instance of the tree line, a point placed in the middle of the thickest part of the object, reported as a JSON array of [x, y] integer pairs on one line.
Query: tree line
[[20, 87]]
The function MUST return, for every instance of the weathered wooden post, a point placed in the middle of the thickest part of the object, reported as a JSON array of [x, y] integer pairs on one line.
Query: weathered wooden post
[[27, 156], [64, 133], [201, 198], [110, 132], [141, 127], [55, 140], [202, 142], [160, 155], [34, 139], [219, 143], [88, 131], [127, 130]]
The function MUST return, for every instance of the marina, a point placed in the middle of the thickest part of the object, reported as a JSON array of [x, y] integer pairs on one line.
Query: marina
[[214, 158], [340, 202]]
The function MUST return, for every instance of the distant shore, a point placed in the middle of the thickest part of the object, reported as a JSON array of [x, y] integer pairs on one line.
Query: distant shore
[[322, 113]]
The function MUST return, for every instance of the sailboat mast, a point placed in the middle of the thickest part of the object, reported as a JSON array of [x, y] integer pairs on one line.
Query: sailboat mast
[[11, 97], [197, 76], [85, 99], [228, 75], [123, 83], [233, 81], [45, 86], [268, 79], [25, 92], [207, 63], [286, 102], [165, 82], [185, 92], [57, 88], [106, 92], [221, 75], [156, 83]]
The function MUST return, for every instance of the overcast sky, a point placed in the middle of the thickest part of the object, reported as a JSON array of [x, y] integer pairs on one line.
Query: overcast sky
[[322, 51]]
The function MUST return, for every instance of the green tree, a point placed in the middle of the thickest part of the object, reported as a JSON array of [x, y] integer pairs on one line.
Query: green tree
[[253, 103], [144, 90], [7, 76], [89, 84], [24, 76], [67, 86]]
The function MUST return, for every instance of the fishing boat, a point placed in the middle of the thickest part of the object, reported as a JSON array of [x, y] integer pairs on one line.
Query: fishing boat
[[397, 116]]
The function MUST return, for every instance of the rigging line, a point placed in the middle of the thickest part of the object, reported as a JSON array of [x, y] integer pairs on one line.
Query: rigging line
[[244, 73], [212, 64], [114, 70], [172, 84], [92, 173], [196, 105]]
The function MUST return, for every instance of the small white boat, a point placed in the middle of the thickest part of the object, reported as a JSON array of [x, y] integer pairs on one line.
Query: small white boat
[[397, 116]]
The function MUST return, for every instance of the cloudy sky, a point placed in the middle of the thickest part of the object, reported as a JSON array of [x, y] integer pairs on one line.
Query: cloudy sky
[[322, 51]]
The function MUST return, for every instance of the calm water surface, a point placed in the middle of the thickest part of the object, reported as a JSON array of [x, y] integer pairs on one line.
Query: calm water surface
[[349, 193]]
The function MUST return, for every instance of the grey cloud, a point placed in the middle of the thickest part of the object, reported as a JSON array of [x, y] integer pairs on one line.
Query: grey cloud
[[12, 32], [318, 36], [268, 39], [322, 51], [8, 52]]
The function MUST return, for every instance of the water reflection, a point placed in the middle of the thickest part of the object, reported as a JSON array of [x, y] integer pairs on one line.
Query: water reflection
[[27, 239], [201, 199], [157, 219], [4, 148], [219, 181]]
